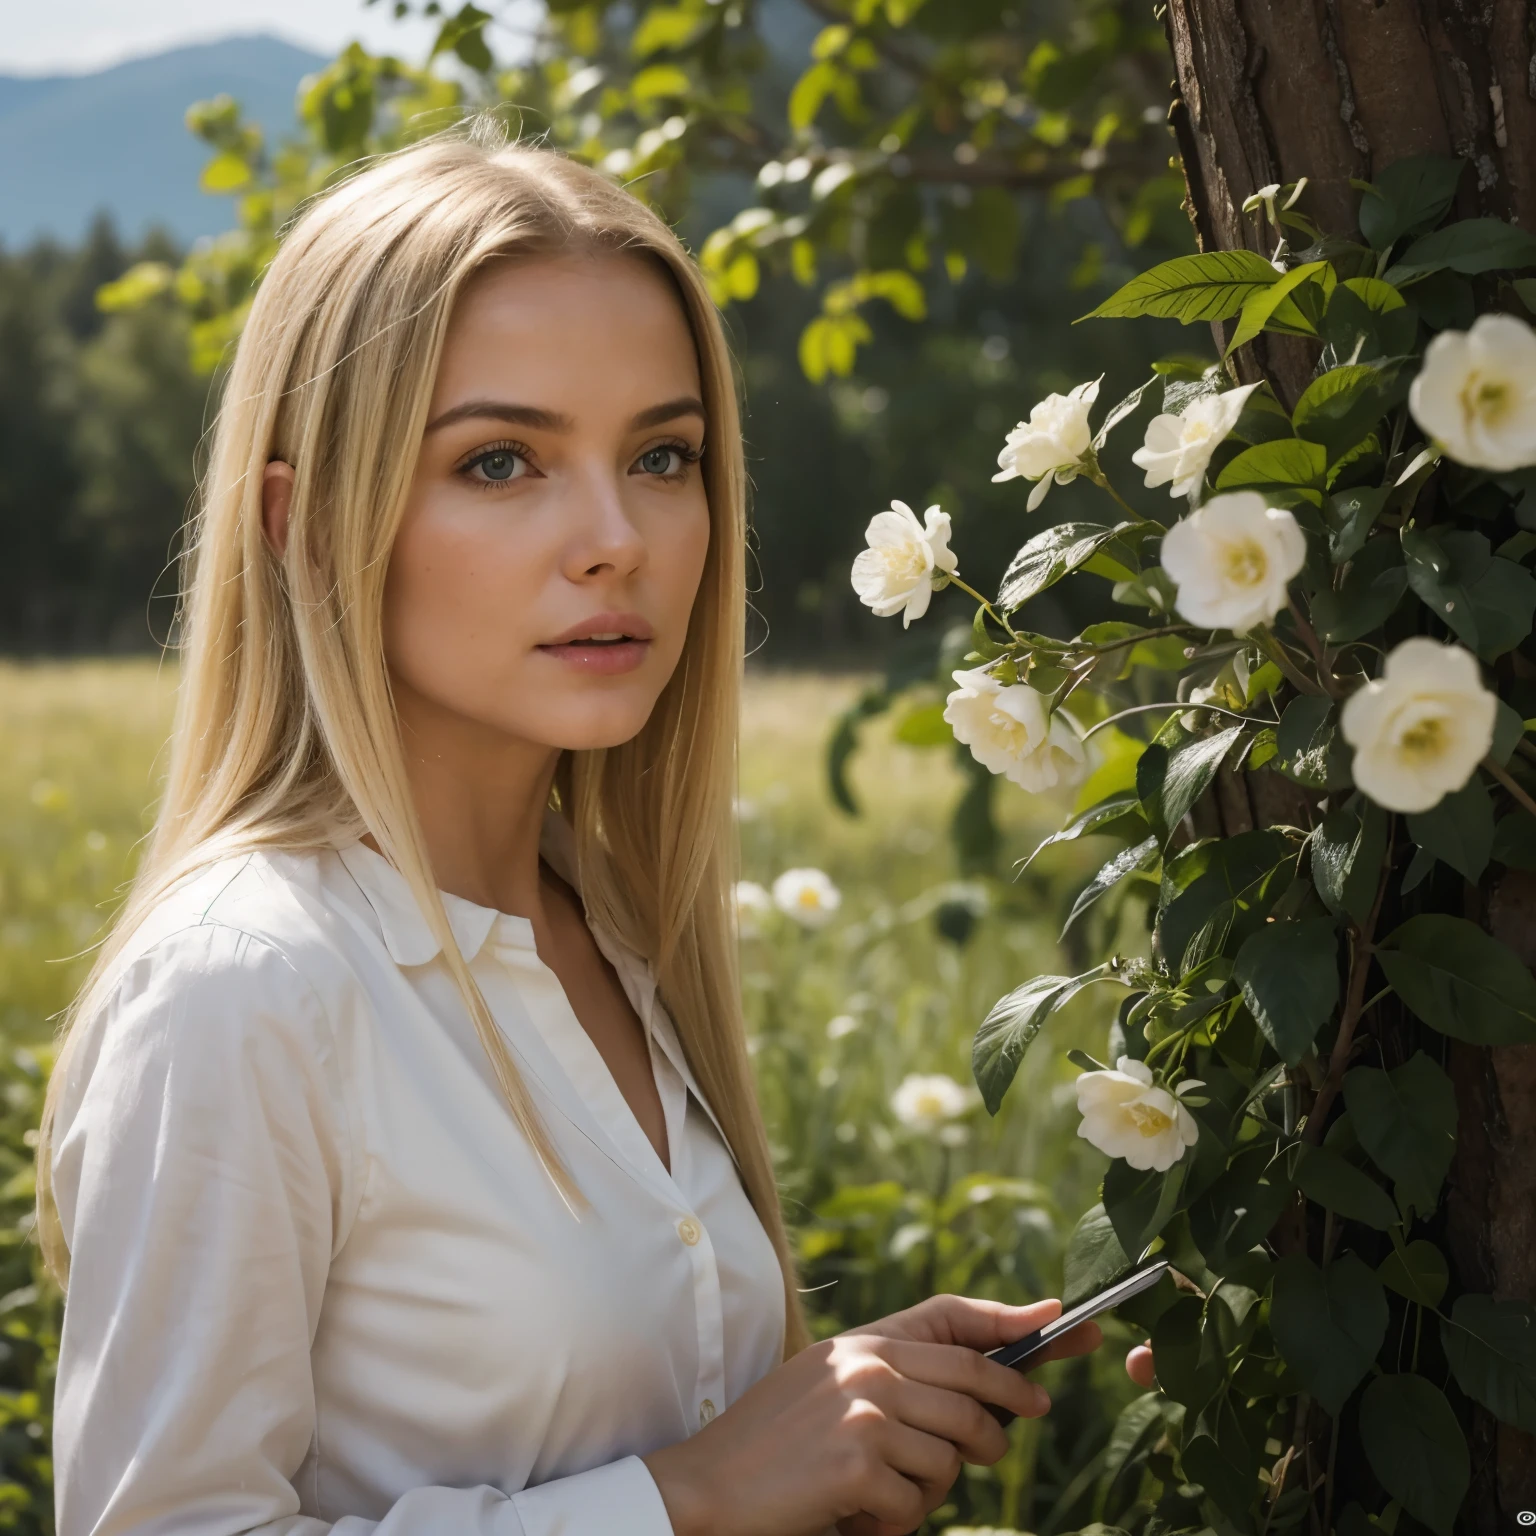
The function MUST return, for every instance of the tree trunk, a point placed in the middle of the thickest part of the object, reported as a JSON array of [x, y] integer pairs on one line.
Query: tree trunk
[[1334, 90]]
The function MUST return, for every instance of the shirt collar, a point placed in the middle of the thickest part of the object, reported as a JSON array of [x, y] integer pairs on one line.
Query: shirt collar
[[407, 936]]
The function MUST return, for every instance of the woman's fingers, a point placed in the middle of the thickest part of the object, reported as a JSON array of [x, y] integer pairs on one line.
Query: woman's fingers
[[930, 1461], [957, 1368], [956, 1417], [1140, 1368], [966, 1320], [894, 1500]]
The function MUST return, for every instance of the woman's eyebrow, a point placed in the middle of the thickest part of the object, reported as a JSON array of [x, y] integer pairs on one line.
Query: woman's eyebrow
[[557, 421]]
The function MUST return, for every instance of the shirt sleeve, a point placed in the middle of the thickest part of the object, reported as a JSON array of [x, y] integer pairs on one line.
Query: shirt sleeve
[[204, 1172]]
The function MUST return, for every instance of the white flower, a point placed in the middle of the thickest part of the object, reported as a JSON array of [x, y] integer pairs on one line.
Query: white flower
[[1178, 448], [926, 1101], [1050, 447], [905, 560], [1231, 561], [807, 895], [1420, 730], [1125, 1115], [843, 1024], [1476, 393], [753, 903], [1009, 731]]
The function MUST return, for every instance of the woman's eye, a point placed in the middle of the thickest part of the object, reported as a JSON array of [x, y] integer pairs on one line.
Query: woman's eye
[[661, 461], [497, 467]]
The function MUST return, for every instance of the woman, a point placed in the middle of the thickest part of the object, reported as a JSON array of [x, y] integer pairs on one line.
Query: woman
[[389, 1194]]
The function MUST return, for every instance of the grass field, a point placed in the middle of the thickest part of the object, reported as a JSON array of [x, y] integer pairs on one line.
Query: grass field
[[885, 1211]]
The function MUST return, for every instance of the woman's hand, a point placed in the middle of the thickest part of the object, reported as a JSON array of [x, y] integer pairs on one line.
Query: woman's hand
[[866, 1430]]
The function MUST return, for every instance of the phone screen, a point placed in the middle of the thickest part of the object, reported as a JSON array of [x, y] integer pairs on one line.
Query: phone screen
[[1021, 1352]]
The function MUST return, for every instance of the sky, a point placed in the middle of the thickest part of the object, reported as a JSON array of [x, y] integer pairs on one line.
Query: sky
[[87, 35]]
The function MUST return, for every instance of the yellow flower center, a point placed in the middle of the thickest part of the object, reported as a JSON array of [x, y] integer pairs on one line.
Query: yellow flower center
[[809, 896], [1244, 563], [904, 565], [1486, 400], [1012, 734], [1148, 1119], [1424, 740], [928, 1106]]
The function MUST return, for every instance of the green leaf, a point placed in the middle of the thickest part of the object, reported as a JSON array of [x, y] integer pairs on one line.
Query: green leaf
[[659, 81], [1347, 850], [1289, 973], [1241, 1207], [1328, 1325], [1372, 586], [1514, 840], [1459, 830], [1140, 1203], [1508, 728], [1417, 1271], [1049, 556], [1416, 1448], [1259, 308], [1118, 413], [1094, 1259], [227, 172], [1290, 468], [1136, 1431], [1409, 195], [1142, 856], [1338, 408], [1487, 602], [1189, 772], [1211, 286], [1333, 1181], [1014, 1021], [1460, 981], [1406, 1120], [1368, 320], [1491, 1346], [844, 742], [1307, 744], [1236, 886], [1088, 822], [1190, 1368], [1469, 247], [1350, 515], [923, 725]]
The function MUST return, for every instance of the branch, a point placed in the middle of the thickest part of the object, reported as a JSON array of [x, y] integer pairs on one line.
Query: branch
[[1354, 1007], [1507, 780]]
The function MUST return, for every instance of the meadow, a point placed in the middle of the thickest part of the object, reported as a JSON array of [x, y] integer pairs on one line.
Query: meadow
[[887, 1205]]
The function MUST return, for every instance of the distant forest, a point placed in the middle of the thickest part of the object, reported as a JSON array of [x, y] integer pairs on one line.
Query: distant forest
[[101, 418]]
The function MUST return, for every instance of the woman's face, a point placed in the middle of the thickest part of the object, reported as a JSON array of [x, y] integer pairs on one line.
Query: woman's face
[[542, 579]]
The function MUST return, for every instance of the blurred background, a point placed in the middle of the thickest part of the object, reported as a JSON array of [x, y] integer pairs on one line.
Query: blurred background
[[902, 207]]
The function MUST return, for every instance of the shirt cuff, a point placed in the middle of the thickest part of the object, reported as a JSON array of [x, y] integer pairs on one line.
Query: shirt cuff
[[621, 1496]]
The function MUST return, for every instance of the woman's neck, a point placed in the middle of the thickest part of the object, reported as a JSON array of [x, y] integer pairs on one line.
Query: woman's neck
[[480, 797]]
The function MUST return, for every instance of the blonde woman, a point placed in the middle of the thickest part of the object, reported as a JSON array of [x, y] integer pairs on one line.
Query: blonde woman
[[402, 1158]]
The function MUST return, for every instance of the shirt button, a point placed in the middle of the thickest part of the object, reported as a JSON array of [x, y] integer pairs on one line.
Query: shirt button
[[706, 1411], [689, 1230]]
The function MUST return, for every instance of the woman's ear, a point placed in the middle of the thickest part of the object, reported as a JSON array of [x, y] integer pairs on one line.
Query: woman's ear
[[276, 502]]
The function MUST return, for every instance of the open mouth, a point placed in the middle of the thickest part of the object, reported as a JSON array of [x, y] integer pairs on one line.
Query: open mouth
[[604, 651]]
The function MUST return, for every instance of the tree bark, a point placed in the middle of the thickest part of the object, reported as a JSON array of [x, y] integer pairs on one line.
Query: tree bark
[[1273, 90]]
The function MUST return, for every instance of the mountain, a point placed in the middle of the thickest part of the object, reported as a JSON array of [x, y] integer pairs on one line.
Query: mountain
[[71, 145]]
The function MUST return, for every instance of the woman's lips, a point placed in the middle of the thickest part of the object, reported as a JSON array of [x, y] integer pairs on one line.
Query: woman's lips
[[599, 658]]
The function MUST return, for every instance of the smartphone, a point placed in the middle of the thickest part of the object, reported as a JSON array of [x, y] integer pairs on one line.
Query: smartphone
[[1022, 1353]]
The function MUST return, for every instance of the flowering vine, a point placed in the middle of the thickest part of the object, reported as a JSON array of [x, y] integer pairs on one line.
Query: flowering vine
[[1320, 724]]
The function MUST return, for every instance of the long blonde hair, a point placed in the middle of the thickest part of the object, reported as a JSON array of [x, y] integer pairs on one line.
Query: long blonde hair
[[286, 735]]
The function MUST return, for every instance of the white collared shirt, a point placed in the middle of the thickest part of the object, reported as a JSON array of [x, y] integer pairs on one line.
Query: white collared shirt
[[319, 1281]]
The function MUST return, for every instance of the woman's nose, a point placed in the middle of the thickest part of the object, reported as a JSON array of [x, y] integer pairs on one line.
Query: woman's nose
[[605, 534]]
